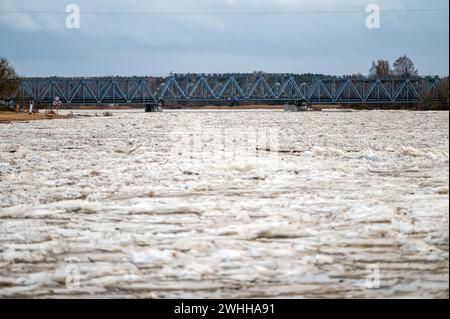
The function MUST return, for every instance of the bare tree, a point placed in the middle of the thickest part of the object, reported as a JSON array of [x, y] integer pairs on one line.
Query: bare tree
[[403, 66], [8, 79], [380, 68]]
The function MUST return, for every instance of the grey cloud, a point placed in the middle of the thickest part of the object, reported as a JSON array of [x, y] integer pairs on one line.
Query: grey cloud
[[153, 44]]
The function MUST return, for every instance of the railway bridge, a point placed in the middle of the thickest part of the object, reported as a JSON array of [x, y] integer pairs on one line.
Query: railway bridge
[[217, 88]]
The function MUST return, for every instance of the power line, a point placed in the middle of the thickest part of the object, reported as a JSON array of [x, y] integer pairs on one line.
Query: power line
[[187, 12]]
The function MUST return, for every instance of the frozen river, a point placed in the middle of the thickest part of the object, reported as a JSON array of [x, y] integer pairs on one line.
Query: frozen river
[[226, 204]]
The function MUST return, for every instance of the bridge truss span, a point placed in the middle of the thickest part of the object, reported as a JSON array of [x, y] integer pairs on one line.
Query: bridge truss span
[[222, 87]]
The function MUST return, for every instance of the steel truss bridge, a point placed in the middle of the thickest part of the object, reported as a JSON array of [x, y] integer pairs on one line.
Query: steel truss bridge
[[224, 87]]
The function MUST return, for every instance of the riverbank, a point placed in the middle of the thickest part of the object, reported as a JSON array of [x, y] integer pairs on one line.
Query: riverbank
[[316, 107], [19, 117]]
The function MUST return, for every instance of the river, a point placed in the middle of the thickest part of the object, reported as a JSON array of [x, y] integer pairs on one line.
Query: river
[[224, 204]]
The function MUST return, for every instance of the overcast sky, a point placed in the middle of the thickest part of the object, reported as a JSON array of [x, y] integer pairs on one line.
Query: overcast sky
[[126, 44]]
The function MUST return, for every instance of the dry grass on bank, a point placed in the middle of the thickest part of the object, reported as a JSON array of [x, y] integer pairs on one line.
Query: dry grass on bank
[[17, 117]]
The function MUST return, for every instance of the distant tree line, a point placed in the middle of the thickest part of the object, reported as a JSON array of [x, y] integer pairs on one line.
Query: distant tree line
[[403, 66]]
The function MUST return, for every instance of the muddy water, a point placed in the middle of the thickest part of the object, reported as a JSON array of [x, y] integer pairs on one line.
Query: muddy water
[[226, 204]]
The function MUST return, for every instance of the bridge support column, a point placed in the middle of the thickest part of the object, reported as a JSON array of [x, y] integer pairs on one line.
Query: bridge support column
[[153, 107]]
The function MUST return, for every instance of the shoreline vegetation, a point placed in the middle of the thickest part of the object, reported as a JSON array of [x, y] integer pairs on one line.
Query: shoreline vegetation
[[6, 117]]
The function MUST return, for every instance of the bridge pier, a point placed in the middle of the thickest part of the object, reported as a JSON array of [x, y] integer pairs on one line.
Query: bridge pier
[[153, 107], [298, 106]]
